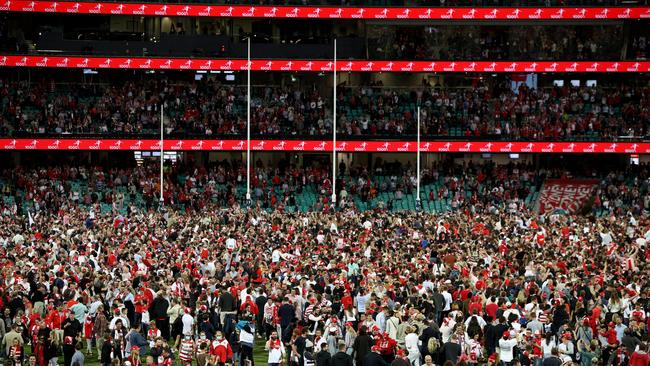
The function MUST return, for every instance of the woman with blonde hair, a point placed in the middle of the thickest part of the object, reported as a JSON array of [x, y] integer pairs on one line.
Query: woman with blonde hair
[[52, 349], [350, 337]]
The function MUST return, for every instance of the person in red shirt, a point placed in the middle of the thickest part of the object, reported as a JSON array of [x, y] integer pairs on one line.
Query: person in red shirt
[[249, 306], [610, 334], [89, 324], [387, 347], [492, 308], [165, 359], [638, 314], [141, 305], [475, 306], [640, 357], [612, 342], [53, 320], [346, 300]]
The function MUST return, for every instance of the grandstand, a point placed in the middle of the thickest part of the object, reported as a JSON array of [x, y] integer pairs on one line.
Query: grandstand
[[331, 183], [583, 82]]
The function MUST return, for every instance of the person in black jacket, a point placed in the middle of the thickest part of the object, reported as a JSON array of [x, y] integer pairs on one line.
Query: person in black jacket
[[554, 360], [560, 317], [498, 333], [227, 305], [452, 350], [286, 312], [490, 335], [158, 312], [401, 359], [431, 331], [323, 357], [71, 331], [373, 358], [155, 352], [362, 345], [438, 303], [341, 358], [107, 349], [301, 344], [260, 301]]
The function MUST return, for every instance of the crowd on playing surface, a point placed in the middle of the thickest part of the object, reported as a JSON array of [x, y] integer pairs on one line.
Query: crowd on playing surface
[[499, 285], [210, 108]]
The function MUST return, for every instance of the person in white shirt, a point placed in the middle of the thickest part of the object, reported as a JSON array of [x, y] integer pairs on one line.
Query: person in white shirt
[[506, 346], [381, 320], [188, 322], [231, 244], [360, 300], [566, 348], [276, 350], [448, 300], [392, 324], [411, 345], [447, 328], [479, 319], [319, 340], [548, 343], [276, 255]]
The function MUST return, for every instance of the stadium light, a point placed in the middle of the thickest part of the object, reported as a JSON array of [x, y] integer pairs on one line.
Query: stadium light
[[334, 139]]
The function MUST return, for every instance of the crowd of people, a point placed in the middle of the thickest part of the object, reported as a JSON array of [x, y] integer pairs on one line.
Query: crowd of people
[[489, 284], [476, 187], [192, 108], [210, 108], [500, 43], [560, 113]]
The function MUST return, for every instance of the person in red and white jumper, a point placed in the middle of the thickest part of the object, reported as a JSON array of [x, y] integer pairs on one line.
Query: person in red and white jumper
[[153, 333], [134, 357], [220, 350], [89, 324], [186, 350], [276, 350]]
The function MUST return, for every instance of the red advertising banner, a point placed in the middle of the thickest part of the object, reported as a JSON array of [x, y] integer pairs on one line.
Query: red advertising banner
[[311, 12], [316, 146], [323, 65], [569, 195]]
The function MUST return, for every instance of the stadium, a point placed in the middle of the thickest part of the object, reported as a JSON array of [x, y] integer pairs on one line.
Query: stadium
[[325, 183]]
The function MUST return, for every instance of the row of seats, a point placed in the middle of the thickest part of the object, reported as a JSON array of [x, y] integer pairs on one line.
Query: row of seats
[[305, 201]]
